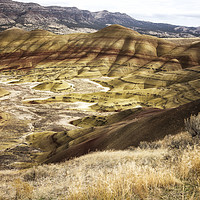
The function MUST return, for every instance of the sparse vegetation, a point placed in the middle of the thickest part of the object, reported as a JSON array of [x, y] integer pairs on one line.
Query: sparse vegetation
[[193, 125], [165, 169], [23, 189], [183, 41]]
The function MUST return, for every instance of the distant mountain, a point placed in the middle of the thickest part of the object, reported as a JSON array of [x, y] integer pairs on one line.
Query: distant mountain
[[63, 20]]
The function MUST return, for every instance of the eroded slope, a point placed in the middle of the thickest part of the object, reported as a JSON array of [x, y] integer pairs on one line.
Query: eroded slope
[[145, 70], [127, 129], [52, 80]]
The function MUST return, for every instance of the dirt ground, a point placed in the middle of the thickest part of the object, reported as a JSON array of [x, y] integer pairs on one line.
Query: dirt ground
[[23, 119]]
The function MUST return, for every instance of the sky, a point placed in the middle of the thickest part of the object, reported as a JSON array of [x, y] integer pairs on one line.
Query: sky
[[177, 12]]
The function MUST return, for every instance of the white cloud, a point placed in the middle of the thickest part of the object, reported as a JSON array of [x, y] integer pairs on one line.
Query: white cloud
[[172, 9], [182, 20]]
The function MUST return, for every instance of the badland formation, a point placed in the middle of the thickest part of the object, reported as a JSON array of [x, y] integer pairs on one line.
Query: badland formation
[[63, 96]]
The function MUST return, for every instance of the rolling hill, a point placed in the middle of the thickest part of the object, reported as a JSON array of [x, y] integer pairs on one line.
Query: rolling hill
[[151, 85]]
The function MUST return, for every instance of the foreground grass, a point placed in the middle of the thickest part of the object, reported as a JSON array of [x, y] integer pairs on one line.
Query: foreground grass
[[167, 169]]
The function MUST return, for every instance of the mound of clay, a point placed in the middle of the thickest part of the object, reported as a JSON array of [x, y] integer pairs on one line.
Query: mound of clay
[[154, 82], [3, 92], [140, 124], [145, 70], [54, 86], [102, 52]]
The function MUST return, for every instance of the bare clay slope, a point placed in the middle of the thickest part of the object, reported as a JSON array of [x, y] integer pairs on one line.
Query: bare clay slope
[[145, 70], [102, 52], [109, 47], [138, 125], [137, 70]]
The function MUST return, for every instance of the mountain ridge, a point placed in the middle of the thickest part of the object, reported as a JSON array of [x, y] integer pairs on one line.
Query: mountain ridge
[[63, 20]]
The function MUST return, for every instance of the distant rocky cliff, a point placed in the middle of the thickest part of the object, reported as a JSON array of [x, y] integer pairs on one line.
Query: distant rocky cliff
[[63, 20]]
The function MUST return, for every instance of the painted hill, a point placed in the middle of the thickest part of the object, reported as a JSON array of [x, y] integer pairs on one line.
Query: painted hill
[[150, 84], [129, 128], [142, 70], [112, 45]]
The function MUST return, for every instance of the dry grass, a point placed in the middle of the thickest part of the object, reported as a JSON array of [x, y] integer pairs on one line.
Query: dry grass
[[166, 169], [132, 174]]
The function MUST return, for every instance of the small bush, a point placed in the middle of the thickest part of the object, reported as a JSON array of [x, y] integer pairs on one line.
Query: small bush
[[192, 125], [180, 141], [35, 173]]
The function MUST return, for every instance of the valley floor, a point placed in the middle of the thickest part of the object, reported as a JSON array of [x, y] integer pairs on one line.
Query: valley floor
[[23, 119]]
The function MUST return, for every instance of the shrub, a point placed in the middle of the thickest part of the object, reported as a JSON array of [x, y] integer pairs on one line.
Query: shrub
[[192, 125], [35, 173]]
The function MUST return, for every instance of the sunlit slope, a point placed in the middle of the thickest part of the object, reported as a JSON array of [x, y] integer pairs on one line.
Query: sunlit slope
[[55, 86], [142, 70], [161, 90], [102, 51], [3, 92]]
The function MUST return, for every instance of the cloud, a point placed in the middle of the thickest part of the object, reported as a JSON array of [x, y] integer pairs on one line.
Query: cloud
[[177, 11], [175, 19], [191, 16], [136, 6]]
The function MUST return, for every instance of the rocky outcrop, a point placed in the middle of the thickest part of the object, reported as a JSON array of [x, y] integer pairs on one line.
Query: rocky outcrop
[[62, 20]]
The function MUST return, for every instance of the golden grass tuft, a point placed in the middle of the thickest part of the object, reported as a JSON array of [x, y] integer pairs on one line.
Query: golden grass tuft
[[23, 189], [131, 174]]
